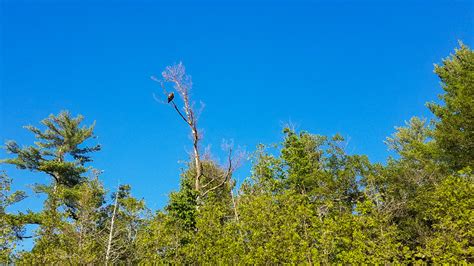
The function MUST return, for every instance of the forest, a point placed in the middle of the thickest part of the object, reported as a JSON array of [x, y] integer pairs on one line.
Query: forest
[[306, 199]]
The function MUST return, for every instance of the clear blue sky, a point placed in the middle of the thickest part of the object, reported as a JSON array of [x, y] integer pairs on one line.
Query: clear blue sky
[[355, 68]]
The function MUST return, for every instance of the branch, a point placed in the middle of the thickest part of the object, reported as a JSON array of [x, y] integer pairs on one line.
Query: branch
[[208, 183], [20, 237], [180, 114], [226, 176]]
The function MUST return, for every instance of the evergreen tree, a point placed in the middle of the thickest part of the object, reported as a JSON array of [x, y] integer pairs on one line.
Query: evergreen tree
[[59, 153]]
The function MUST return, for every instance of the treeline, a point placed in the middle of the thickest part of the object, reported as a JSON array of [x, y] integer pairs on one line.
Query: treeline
[[305, 201]]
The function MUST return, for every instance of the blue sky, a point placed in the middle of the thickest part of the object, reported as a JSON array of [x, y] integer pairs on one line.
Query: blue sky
[[357, 68]]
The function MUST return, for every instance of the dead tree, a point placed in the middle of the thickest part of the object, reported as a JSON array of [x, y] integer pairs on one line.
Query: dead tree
[[182, 84], [111, 230], [176, 75]]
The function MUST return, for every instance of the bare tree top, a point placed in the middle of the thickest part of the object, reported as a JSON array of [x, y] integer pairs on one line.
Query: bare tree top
[[177, 75]]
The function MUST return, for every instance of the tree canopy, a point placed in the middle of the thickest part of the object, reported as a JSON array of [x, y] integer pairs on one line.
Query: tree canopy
[[305, 201]]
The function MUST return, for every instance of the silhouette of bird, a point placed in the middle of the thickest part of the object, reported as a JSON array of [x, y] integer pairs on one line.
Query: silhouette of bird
[[170, 97]]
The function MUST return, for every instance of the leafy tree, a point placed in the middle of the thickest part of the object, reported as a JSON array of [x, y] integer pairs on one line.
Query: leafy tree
[[160, 240], [11, 227], [367, 236], [215, 212], [191, 221], [454, 131], [87, 235], [449, 208], [319, 167], [127, 213], [182, 206]]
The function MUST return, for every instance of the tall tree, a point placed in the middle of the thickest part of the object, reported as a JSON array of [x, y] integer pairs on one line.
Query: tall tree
[[62, 137], [60, 153], [182, 84], [454, 132]]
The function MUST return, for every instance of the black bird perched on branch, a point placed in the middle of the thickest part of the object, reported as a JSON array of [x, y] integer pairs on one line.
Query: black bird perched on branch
[[170, 97]]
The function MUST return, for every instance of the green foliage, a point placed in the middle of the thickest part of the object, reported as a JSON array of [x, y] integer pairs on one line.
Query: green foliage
[[454, 132], [449, 209], [62, 136], [128, 220], [11, 227], [277, 228], [59, 153], [306, 201], [182, 204]]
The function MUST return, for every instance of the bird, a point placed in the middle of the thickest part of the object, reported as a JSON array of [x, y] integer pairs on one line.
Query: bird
[[170, 97]]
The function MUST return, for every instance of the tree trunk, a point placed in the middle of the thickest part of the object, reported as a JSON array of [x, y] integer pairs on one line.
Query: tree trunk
[[109, 243]]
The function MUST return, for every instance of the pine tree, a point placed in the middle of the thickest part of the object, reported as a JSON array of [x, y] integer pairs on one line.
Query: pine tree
[[60, 153]]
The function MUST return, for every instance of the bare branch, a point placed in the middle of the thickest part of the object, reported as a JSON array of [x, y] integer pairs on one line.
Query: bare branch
[[227, 173], [109, 242], [180, 114], [182, 82]]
